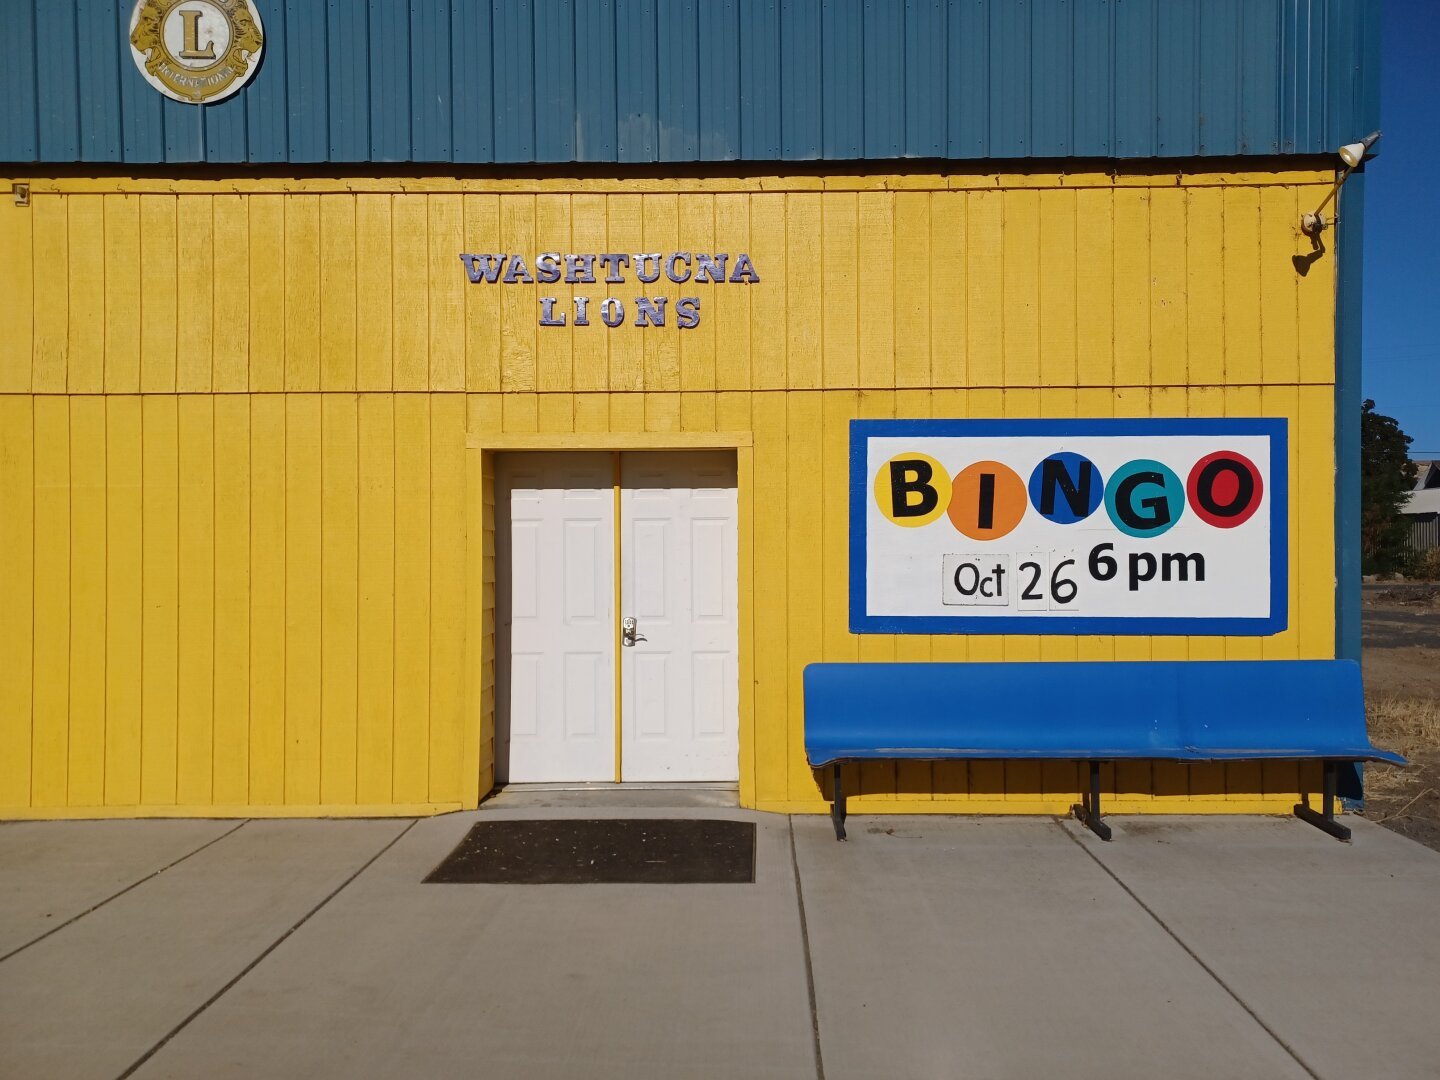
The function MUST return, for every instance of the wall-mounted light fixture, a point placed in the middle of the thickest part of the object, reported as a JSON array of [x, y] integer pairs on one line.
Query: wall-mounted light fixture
[[1352, 154]]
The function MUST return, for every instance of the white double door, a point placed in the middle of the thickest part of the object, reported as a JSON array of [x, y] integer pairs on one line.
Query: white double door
[[586, 541]]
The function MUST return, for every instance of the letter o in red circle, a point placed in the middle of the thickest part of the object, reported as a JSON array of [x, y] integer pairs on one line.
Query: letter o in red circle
[[1225, 489]]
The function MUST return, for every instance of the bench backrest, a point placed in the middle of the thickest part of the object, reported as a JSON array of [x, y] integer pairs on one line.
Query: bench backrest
[[1183, 710]]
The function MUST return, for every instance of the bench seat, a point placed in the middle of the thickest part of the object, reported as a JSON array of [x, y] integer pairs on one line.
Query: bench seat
[[1185, 711]]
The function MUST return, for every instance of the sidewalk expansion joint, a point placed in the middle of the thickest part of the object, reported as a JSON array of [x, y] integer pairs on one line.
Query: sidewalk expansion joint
[[1059, 824], [115, 896], [253, 964], [809, 967]]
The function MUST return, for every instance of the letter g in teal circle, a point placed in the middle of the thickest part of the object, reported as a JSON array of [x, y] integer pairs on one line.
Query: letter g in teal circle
[[1144, 498]]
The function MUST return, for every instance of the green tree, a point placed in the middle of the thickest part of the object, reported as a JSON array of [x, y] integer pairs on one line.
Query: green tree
[[1387, 476]]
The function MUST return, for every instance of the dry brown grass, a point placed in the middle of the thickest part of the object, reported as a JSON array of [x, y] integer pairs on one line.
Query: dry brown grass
[[1410, 726]]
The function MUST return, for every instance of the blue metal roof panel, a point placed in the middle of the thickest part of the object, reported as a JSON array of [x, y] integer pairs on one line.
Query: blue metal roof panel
[[519, 81]]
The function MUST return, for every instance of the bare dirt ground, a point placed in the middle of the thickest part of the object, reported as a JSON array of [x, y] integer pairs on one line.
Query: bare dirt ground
[[1402, 690]]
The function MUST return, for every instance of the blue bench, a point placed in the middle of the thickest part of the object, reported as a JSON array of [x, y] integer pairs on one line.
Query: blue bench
[[1186, 711]]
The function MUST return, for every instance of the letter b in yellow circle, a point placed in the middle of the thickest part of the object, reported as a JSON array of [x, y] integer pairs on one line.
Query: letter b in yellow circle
[[912, 489]]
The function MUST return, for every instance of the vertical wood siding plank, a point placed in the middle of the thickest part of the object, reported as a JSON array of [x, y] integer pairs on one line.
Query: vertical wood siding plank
[[1243, 294], [1313, 496], [768, 315], [805, 587], [87, 654], [196, 729], [482, 301], [697, 412], [1021, 277], [17, 591], [195, 294], [267, 599], [877, 290], [662, 348], [412, 598], [411, 312], [590, 366], [948, 251], [985, 266], [374, 749], [1316, 301], [339, 270], [1205, 286], [49, 747], [592, 412], [87, 601], [17, 302], [911, 257], [804, 334], [662, 412], [302, 292], [124, 599], [340, 585], [302, 598], [731, 312], [374, 293], [447, 293], [1058, 259], [840, 289], [518, 308], [1095, 287], [772, 673], [158, 297], [51, 292], [231, 767], [160, 649], [86, 348], [521, 413], [1280, 241], [697, 345], [1132, 287], [267, 292], [555, 412], [231, 348], [1169, 343], [553, 345], [626, 234], [447, 598]]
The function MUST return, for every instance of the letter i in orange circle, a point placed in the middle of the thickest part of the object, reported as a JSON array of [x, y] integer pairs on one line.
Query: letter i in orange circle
[[987, 500]]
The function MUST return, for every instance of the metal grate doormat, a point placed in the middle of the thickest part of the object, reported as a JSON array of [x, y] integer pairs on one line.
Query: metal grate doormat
[[690, 851]]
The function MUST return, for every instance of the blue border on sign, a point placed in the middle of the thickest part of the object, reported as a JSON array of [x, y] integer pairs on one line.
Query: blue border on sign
[[1276, 429]]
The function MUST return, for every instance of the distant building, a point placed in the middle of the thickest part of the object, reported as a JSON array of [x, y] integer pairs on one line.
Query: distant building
[[1423, 508]]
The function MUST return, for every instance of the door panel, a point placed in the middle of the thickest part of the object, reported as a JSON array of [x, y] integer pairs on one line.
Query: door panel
[[555, 671], [679, 580]]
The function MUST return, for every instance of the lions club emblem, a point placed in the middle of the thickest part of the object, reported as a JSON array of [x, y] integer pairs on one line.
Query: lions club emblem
[[196, 51]]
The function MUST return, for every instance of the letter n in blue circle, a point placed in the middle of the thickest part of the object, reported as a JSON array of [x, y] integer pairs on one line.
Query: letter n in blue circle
[[1066, 488], [1144, 498]]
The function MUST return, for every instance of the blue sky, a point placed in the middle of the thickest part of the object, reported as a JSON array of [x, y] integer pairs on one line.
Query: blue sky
[[1402, 228]]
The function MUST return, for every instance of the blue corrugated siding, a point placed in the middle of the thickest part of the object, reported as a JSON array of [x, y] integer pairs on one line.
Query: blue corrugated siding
[[518, 81]]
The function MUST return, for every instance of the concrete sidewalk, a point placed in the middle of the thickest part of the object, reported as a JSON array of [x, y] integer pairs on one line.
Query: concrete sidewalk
[[925, 947]]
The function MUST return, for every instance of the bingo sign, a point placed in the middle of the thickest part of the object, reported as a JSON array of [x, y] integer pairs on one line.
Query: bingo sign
[[1068, 526]]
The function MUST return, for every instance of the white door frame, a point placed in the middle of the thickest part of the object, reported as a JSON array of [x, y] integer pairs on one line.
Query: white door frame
[[485, 519]]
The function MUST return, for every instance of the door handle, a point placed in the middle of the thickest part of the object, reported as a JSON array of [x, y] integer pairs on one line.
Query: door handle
[[628, 634]]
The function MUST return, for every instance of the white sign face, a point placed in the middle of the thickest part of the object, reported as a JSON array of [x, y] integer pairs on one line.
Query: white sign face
[[1075, 527]]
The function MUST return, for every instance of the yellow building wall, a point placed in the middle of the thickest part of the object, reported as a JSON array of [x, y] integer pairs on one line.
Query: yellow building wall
[[246, 522]]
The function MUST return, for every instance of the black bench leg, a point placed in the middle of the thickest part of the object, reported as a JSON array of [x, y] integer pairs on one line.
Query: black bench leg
[[1087, 812], [837, 809], [1325, 819]]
